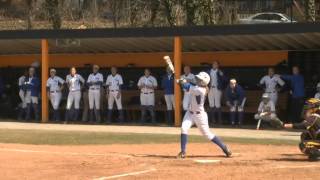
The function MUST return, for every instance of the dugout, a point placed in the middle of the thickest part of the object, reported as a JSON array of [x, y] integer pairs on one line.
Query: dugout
[[243, 50]]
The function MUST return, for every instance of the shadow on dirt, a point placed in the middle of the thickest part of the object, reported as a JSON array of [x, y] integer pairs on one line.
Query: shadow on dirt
[[175, 157]]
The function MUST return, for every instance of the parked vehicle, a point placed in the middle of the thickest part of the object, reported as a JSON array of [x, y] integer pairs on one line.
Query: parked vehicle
[[267, 18]]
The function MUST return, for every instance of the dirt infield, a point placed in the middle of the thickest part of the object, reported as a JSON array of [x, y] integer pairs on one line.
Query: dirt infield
[[153, 161]]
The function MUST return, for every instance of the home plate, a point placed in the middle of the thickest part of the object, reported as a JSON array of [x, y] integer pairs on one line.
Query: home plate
[[207, 161]]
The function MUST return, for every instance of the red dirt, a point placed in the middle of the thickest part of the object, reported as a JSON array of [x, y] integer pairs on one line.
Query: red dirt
[[90, 162]]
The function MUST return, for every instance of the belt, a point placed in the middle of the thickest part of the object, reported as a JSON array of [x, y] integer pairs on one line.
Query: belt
[[196, 112], [54, 91], [94, 88], [272, 92], [113, 90], [213, 87], [147, 93], [75, 90]]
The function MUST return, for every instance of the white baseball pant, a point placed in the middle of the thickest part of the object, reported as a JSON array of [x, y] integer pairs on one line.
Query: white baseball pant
[[169, 98], [55, 98], [266, 117], [147, 99], [94, 98], [30, 99], [214, 97], [113, 97], [74, 97], [23, 98], [201, 121], [273, 97], [186, 101], [237, 106]]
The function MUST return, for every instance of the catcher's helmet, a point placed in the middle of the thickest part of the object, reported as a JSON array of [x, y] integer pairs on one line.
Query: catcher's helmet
[[265, 96], [204, 78]]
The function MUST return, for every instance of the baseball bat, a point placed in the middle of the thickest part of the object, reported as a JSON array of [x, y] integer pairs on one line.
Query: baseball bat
[[169, 63]]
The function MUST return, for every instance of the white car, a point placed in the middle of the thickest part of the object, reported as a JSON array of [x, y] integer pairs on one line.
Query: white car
[[267, 18]]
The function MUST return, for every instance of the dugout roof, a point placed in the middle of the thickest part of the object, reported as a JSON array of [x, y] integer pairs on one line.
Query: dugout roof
[[262, 37]]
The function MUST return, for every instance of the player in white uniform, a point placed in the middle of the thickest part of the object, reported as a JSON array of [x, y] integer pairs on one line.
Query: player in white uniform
[[215, 92], [196, 114], [317, 95], [270, 83], [191, 79], [22, 93], [74, 82], [113, 85], [267, 112], [147, 84], [95, 81], [54, 88]]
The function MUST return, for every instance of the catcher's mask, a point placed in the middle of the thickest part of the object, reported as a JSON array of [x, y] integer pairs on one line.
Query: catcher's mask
[[312, 106]]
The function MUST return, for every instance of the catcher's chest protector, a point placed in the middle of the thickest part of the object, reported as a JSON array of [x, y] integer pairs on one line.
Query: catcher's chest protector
[[314, 126]]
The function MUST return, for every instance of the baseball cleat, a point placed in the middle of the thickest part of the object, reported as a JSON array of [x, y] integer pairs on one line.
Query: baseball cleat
[[181, 155], [228, 153]]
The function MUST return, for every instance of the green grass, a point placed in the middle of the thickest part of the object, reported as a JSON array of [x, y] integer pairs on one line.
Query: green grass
[[99, 138]]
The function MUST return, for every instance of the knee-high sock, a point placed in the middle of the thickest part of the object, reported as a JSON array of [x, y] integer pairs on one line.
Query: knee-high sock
[[183, 141], [212, 115], [232, 117], [121, 116], [57, 115], [170, 117], [109, 116], [153, 116], [91, 115], [143, 114], [68, 115], [97, 114], [219, 142], [240, 117], [21, 113], [76, 114], [219, 115], [36, 111], [28, 112]]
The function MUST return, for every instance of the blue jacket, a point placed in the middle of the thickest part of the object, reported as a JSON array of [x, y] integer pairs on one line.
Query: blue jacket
[[236, 95], [222, 79], [297, 85], [168, 84], [34, 86]]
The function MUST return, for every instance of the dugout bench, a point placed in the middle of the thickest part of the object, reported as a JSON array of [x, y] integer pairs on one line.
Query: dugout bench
[[131, 104]]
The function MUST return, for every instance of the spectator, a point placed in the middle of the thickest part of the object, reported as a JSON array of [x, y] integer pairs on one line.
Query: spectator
[[94, 82], [216, 85], [147, 84], [32, 85], [54, 88], [75, 82], [270, 82], [297, 93], [168, 85], [114, 85], [317, 95], [22, 95], [235, 101]]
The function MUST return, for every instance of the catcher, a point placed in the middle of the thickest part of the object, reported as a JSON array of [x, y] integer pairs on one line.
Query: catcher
[[267, 112], [310, 137]]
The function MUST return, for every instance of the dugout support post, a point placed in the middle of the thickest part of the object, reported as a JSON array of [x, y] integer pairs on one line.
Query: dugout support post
[[177, 89], [44, 75]]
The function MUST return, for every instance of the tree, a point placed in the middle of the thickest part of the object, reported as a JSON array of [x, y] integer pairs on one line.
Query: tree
[[29, 16], [52, 8], [154, 9], [115, 8], [310, 12]]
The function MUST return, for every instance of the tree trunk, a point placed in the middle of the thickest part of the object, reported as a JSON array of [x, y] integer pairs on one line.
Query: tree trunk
[[310, 11]]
